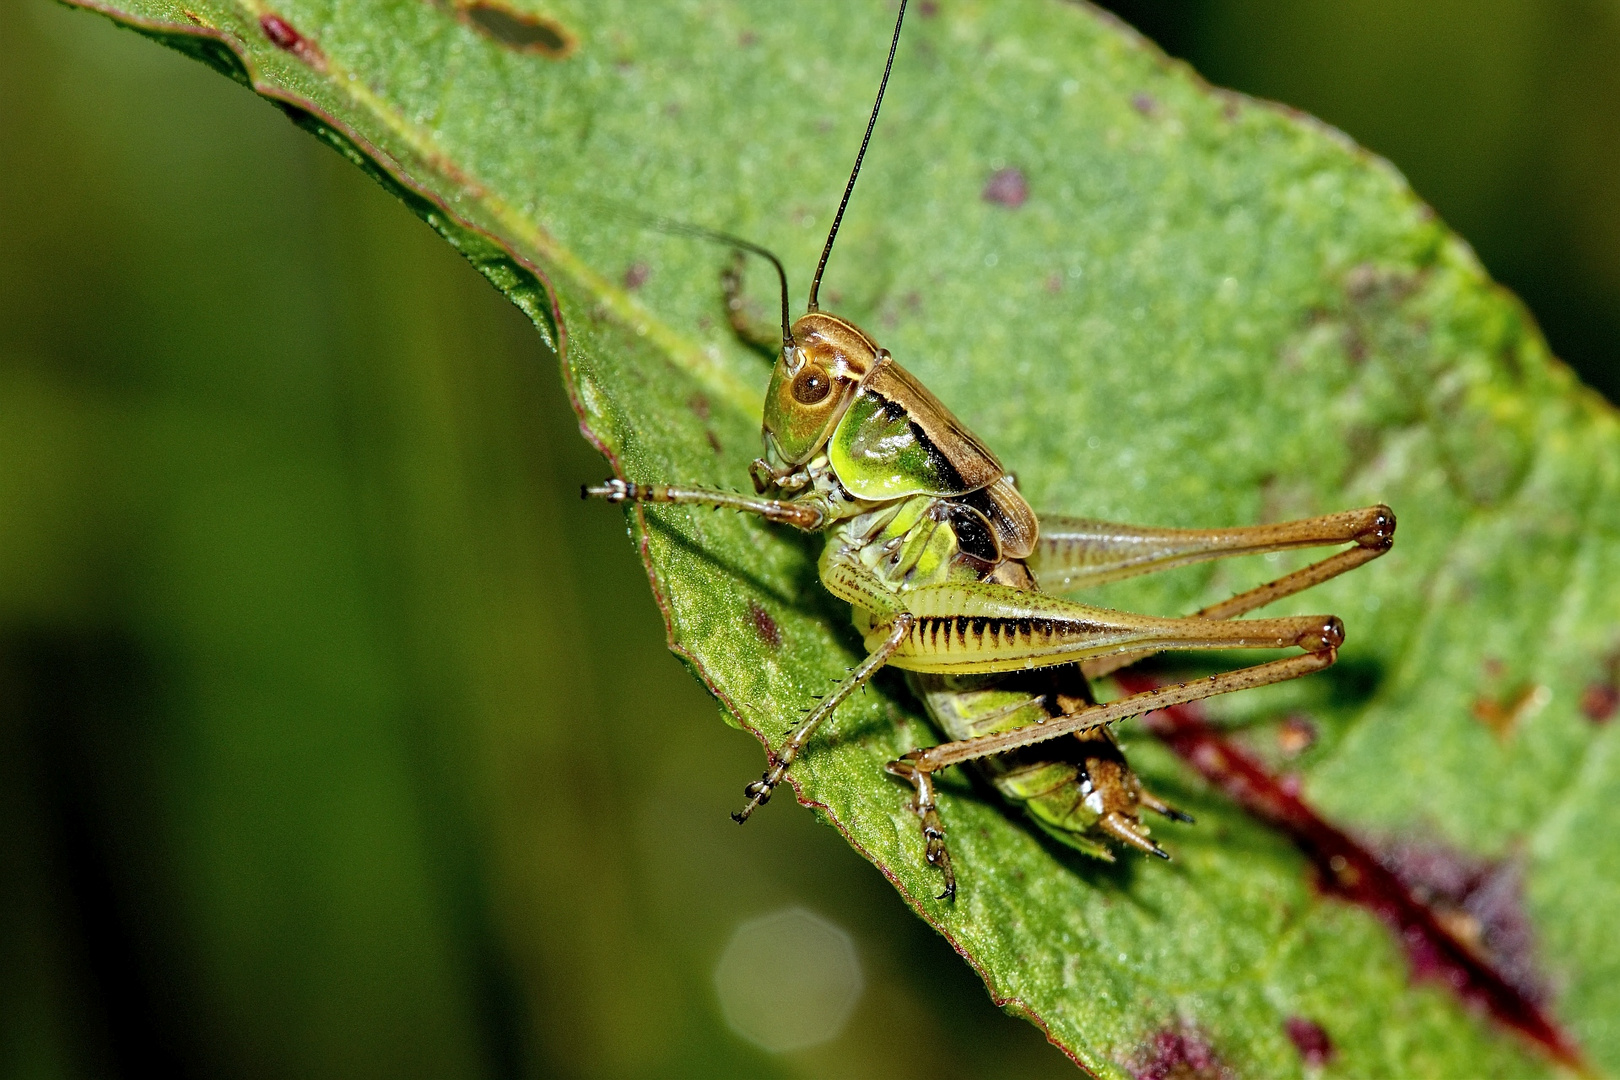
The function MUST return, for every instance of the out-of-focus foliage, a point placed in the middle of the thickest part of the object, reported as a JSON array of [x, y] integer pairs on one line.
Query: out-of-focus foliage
[[1502, 113]]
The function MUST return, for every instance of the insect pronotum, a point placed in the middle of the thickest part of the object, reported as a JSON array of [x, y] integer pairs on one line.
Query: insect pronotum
[[951, 575]]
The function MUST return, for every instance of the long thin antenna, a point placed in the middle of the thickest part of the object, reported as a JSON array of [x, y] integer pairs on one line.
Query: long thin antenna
[[815, 283], [682, 228]]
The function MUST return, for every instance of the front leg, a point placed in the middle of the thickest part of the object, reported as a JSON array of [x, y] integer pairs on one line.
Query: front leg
[[809, 514], [759, 792]]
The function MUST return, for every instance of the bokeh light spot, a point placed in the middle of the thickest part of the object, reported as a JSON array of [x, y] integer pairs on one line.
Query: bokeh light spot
[[788, 980]]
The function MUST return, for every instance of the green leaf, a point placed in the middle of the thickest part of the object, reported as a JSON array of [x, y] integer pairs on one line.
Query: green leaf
[[1207, 311]]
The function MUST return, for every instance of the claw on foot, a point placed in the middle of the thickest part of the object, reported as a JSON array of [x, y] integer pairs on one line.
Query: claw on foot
[[759, 793], [612, 489]]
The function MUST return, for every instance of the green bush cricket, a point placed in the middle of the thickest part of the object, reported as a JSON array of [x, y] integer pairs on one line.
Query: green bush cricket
[[951, 578]]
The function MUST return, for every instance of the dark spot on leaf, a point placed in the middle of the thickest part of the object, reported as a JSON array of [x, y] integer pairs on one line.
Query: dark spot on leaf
[[699, 406], [1179, 1055], [765, 626], [1232, 108], [928, 9], [1295, 735], [518, 30], [1495, 973], [1367, 282], [1502, 708], [1480, 901], [1007, 187], [1144, 103], [283, 36], [714, 440], [1502, 713], [1054, 282], [636, 276], [280, 32], [747, 38], [1313, 1044], [1355, 345], [1601, 698], [1599, 701]]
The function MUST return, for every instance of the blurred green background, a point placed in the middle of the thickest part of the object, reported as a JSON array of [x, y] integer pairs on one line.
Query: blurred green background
[[337, 737]]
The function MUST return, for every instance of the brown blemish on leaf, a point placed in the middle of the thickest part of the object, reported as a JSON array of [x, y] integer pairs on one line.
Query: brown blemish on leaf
[[1295, 735], [284, 37], [1601, 698], [1503, 713], [747, 38], [1480, 901], [1599, 701], [1144, 103], [1309, 1038], [699, 406], [520, 31], [714, 440], [1352, 872], [1006, 187], [636, 275], [1054, 282], [765, 626], [1179, 1055]]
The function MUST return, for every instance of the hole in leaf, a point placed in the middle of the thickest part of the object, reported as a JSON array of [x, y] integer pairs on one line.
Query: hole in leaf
[[518, 30]]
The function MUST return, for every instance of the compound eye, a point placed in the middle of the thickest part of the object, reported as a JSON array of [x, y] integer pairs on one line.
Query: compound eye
[[811, 386]]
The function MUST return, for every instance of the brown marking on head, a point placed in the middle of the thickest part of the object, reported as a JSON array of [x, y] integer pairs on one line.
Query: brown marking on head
[[636, 275], [1309, 1038], [1144, 103], [699, 406], [1006, 187], [284, 37], [765, 626], [520, 31]]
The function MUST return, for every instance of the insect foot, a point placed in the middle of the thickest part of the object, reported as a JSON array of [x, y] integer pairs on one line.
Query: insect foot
[[613, 490], [759, 792], [927, 811]]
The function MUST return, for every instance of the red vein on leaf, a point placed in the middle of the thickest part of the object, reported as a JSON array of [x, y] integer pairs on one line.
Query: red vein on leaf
[[1351, 872]]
